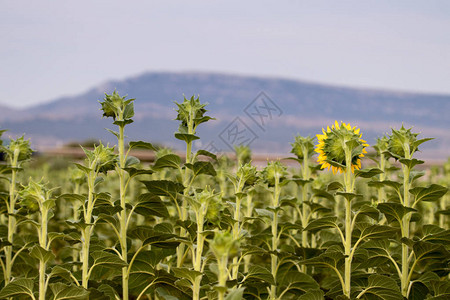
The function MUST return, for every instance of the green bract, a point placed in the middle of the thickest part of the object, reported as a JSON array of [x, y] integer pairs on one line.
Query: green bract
[[243, 154], [77, 176], [403, 143], [33, 195], [19, 149], [191, 113], [101, 159], [302, 146], [275, 171], [246, 174], [224, 244], [119, 108], [381, 145]]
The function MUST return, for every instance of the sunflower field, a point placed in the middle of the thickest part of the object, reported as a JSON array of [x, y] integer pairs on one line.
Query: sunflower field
[[203, 226]]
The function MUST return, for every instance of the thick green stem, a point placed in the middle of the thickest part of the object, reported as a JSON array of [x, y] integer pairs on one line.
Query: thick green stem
[[248, 214], [405, 227], [223, 274], [306, 175], [348, 246], [237, 228], [274, 262], [85, 257], [123, 214], [198, 251], [76, 216], [42, 267], [348, 223], [442, 217], [381, 194], [183, 217], [11, 218], [86, 233], [43, 244]]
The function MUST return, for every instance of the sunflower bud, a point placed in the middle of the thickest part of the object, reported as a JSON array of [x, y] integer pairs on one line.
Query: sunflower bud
[[210, 203], [302, 146], [118, 107], [275, 171], [191, 113], [403, 143], [77, 176], [246, 174], [224, 245], [335, 142], [101, 159], [243, 154], [381, 145], [19, 148], [33, 195]]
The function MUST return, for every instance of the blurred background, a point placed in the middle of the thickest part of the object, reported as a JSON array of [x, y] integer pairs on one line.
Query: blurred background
[[270, 69]]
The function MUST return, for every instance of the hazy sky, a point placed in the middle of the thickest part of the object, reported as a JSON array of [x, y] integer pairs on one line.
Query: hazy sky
[[54, 48]]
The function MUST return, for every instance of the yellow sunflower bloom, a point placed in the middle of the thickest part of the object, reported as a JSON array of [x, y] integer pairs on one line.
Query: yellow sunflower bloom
[[333, 143]]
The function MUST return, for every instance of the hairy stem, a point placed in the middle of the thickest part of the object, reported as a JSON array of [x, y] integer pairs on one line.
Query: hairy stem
[[11, 218], [405, 231], [348, 222], [274, 261]]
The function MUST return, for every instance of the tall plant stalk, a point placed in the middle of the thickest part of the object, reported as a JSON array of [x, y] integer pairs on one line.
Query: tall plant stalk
[[191, 114], [405, 225], [11, 217], [36, 195], [101, 159], [274, 225], [87, 231], [18, 151], [123, 214], [121, 110], [274, 172], [306, 174], [349, 182]]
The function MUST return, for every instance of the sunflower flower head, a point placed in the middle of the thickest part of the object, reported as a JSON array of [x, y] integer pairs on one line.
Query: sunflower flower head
[[381, 145], [335, 142]]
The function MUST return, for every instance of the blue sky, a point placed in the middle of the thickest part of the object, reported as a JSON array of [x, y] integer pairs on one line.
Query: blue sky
[[54, 48]]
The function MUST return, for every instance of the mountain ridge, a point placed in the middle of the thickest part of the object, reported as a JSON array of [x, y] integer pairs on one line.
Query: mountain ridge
[[305, 107]]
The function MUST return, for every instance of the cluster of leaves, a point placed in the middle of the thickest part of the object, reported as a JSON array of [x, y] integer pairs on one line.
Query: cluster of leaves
[[208, 227]]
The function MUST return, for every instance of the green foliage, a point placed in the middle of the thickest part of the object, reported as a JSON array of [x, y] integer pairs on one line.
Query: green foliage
[[201, 226]]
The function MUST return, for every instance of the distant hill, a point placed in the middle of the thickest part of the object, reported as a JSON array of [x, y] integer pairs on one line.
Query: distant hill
[[290, 107]]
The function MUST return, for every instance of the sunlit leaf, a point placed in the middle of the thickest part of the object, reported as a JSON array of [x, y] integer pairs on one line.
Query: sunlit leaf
[[381, 287], [260, 273], [432, 193], [151, 205], [142, 145], [19, 286], [368, 173], [394, 211], [164, 188], [172, 161], [41, 254], [202, 167], [188, 138], [62, 291]]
